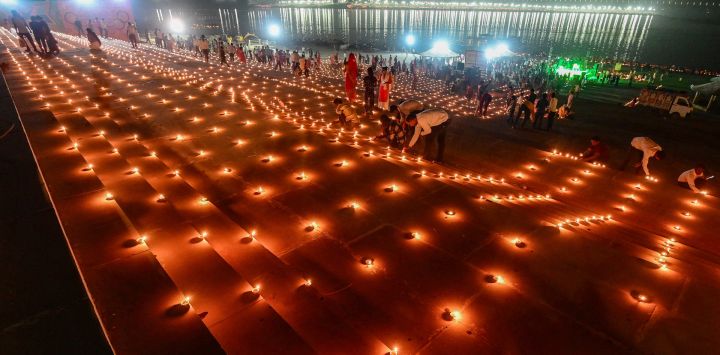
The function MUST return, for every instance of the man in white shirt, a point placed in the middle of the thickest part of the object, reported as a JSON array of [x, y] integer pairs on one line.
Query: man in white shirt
[[406, 108], [431, 124], [693, 179], [645, 147]]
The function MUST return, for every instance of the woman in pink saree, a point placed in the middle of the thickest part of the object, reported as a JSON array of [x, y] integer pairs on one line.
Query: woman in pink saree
[[351, 73]]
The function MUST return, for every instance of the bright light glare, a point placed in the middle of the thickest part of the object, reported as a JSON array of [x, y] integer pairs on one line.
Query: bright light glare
[[441, 45], [274, 30], [85, 2], [497, 51], [8, 2], [410, 40], [176, 25]]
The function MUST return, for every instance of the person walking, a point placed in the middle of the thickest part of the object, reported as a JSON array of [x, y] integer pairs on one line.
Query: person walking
[[432, 125], [21, 27], [204, 47], [351, 74], [52, 43], [221, 54], [640, 152], [38, 33], [104, 28], [510, 106], [526, 109], [540, 109], [231, 52], [132, 34], [78, 27], [241, 54], [552, 111], [487, 97]]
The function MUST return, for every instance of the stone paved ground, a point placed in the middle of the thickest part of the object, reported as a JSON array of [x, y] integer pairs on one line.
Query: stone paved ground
[[290, 235]]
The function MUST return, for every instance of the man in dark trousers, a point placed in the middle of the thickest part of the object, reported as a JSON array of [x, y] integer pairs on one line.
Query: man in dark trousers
[[369, 83], [540, 108], [22, 30], [432, 125]]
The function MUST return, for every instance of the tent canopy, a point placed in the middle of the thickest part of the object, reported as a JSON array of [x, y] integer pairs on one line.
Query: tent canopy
[[439, 52], [711, 88]]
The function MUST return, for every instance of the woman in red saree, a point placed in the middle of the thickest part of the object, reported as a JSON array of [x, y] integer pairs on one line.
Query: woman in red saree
[[240, 52], [351, 74]]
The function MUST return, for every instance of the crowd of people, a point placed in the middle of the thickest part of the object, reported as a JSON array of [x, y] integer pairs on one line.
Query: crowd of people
[[529, 92], [37, 30]]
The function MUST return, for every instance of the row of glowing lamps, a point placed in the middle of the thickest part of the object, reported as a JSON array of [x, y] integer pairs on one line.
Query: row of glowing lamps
[[368, 262]]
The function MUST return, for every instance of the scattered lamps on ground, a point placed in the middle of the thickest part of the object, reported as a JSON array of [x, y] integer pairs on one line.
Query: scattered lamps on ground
[[256, 289], [450, 212], [109, 196], [204, 234], [259, 190], [308, 282], [142, 239], [456, 315], [204, 200], [161, 198], [354, 205]]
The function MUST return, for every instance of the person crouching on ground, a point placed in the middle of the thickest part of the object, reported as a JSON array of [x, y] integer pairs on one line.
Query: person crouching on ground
[[432, 125], [405, 108], [344, 110], [693, 179], [641, 150], [596, 152]]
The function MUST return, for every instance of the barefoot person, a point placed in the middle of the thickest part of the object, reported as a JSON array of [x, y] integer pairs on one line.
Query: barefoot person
[[640, 152]]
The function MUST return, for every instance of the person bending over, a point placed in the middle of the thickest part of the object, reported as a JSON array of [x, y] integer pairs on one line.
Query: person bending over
[[432, 126]]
